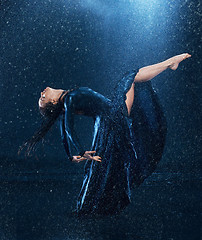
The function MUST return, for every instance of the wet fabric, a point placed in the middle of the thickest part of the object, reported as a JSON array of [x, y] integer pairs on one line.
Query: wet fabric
[[130, 146]]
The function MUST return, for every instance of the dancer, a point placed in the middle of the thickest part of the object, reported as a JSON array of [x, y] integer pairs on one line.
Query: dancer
[[128, 140]]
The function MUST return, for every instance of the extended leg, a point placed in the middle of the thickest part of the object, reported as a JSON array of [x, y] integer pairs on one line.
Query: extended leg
[[151, 71]]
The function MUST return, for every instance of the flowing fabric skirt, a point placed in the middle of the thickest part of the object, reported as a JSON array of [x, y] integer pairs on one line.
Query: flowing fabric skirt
[[130, 147]]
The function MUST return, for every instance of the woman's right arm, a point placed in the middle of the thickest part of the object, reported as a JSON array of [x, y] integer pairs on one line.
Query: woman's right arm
[[69, 125], [65, 140], [69, 133]]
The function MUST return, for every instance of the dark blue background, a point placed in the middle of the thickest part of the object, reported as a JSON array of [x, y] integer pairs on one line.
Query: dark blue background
[[92, 43], [63, 43]]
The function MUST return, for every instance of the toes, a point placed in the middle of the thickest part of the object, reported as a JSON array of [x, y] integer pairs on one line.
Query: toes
[[188, 55]]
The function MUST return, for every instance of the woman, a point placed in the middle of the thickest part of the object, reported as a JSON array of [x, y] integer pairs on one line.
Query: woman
[[128, 140]]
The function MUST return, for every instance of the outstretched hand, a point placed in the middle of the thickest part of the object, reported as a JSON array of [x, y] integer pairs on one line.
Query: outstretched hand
[[86, 156]]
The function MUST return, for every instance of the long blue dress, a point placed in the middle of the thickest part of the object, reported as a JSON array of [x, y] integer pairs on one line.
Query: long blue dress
[[130, 146]]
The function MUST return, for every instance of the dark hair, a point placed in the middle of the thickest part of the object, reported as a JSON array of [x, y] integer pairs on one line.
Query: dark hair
[[50, 113]]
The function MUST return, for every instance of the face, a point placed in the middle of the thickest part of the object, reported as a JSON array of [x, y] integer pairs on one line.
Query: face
[[47, 95]]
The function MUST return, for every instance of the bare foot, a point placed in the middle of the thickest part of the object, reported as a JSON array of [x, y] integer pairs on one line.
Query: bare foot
[[174, 61]]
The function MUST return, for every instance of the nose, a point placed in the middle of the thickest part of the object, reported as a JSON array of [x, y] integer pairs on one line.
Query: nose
[[44, 90]]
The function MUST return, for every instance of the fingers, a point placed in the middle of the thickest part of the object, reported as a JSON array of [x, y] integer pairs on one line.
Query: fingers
[[78, 159], [87, 156], [90, 152], [97, 158]]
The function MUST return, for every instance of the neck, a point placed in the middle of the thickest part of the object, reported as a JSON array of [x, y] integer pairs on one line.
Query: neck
[[62, 95], [58, 93]]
